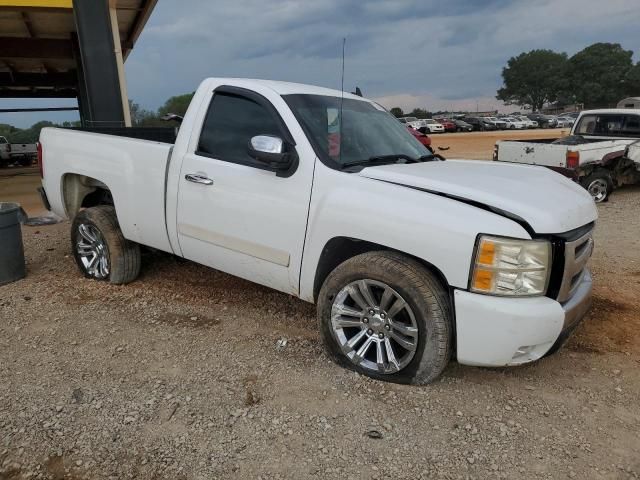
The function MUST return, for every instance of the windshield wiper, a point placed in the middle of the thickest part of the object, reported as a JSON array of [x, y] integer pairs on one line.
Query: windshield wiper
[[386, 159]]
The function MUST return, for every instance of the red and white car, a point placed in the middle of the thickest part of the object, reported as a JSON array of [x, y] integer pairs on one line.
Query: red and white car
[[421, 137], [448, 125]]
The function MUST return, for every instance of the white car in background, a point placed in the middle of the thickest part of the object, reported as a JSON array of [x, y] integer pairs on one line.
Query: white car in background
[[433, 126], [416, 123], [528, 122], [565, 122], [513, 123], [498, 122]]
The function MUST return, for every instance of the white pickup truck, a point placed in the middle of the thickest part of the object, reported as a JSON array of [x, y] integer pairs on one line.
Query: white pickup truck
[[592, 155], [24, 153], [410, 259]]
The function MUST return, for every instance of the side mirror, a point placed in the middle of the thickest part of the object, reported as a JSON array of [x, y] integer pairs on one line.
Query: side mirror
[[172, 117], [270, 150]]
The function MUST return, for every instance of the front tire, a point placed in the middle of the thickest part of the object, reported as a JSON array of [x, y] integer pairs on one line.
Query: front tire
[[99, 248], [599, 184], [384, 315]]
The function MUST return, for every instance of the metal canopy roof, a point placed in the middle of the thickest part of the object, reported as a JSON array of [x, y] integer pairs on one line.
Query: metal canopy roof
[[36, 50]]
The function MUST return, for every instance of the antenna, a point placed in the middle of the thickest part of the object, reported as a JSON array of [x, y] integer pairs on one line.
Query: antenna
[[344, 43]]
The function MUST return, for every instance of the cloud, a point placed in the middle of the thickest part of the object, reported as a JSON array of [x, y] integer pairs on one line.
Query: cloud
[[427, 50], [433, 104]]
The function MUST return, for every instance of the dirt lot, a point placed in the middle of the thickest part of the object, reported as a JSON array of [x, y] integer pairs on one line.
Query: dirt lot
[[178, 376]]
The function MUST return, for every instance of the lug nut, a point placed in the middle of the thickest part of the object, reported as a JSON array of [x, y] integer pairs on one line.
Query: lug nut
[[381, 335], [383, 315], [372, 312], [370, 332], [365, 320], [387, 326]]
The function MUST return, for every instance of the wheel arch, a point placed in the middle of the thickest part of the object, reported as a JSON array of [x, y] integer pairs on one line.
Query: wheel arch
[[81, 191], [340, 249], [607, 162]]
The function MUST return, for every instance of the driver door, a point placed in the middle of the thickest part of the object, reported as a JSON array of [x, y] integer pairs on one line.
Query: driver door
[[234, 213]]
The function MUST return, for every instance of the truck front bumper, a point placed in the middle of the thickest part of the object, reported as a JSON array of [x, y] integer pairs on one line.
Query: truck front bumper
[[497, 331]]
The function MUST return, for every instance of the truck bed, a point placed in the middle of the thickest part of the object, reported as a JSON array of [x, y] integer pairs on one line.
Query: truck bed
[[133, 169], [553, 154], [154, 134]]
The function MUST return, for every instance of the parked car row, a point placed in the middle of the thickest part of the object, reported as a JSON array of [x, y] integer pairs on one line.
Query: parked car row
[[486, 123]]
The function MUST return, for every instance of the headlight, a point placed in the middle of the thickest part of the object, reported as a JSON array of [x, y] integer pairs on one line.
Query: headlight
[[510, 267]]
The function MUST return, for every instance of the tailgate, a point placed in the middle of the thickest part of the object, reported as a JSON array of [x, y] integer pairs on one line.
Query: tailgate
[[531, 153]]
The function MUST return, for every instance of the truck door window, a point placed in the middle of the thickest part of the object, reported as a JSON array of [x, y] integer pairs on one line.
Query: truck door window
[[232, 120], [602, 125], [631, 126]]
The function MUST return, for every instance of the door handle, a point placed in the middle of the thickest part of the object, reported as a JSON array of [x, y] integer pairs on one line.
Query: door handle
[[201, 179]]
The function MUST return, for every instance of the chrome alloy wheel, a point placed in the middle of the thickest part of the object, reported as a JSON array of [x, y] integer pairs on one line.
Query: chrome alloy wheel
[[598, 189], [92, 251], [374, 326]]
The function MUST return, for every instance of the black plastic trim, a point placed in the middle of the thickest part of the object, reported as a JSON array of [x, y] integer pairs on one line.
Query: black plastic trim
[[558, 241], [43, 197], [282, 126], [262, 101]]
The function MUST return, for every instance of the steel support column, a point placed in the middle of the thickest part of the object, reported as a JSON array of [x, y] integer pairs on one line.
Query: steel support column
[[101, 102]]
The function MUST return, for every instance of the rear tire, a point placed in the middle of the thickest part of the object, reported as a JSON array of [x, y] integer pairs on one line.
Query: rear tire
[[599, 184], [419, 334], [99, 248]]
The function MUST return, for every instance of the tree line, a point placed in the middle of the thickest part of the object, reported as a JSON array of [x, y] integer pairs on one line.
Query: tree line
[[147, 118], [599, 76]]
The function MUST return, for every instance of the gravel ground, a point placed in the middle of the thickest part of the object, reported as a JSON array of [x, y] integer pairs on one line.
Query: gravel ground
[[184, 374]]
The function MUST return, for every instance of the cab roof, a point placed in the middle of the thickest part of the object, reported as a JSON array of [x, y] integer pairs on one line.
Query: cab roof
[[285, 88], [614, 111]]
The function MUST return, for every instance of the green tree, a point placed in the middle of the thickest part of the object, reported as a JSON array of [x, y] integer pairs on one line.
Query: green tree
[[177, 105], [632, 81], [141, 117], [396, 112], [533, 79], [29, 135], [6, 130], [419, 113], [598, 75]]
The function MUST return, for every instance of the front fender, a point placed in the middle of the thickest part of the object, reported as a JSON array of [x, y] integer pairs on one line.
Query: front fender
[[439, 230]]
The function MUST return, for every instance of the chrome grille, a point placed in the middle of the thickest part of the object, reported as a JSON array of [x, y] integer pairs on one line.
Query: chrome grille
[[576, 255]]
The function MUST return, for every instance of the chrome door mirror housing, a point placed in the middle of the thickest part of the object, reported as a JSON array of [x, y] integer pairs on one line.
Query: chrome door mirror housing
[[273, 151], [268, 144]]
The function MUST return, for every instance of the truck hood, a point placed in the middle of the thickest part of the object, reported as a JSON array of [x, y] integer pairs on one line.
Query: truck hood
[[547, 201]]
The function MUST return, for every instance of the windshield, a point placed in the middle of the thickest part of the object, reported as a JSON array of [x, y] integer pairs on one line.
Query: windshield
[[411, 119], [365, 132]]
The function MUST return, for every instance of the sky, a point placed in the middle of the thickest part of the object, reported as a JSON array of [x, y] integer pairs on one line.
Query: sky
[[408, 53]]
